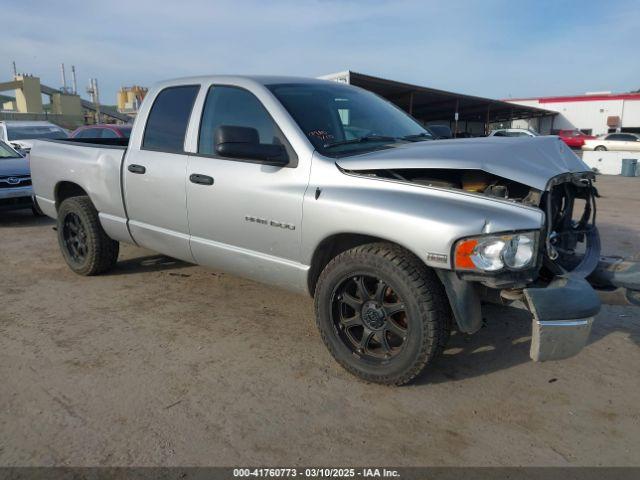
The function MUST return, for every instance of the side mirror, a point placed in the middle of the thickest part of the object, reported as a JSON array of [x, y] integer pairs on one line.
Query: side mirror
[[244, 142]]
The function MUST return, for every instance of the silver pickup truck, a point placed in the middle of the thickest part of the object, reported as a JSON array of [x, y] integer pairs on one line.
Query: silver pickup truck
[[329, 190]]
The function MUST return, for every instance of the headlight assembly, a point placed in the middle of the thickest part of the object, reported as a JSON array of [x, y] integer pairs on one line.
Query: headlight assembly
[[491, 253]]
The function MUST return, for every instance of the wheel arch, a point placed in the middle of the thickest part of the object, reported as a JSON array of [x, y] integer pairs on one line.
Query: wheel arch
[[334, 245], [66, 189]]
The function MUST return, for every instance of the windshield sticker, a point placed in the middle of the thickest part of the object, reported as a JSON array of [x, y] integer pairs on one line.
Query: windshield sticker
[[321, 134]]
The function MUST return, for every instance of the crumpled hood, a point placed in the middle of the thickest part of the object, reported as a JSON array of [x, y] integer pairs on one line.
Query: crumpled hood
[[14, 166], [532, 161]]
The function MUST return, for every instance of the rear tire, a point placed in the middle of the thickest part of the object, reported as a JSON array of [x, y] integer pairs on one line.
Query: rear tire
[[600, 148], [354, 300], [84, 244]]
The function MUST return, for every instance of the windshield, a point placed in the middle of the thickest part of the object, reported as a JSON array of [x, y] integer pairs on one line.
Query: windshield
[[442, 131], [24, 132], [344, 120], [7, 152], [514, 133]]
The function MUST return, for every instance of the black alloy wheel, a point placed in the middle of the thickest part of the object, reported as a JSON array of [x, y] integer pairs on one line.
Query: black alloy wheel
[[369, 317], [84, 244], [74, 237], [382, 313]]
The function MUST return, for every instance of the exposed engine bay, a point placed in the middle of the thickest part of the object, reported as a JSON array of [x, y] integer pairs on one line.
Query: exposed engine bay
[[472, 181], [570, 240]]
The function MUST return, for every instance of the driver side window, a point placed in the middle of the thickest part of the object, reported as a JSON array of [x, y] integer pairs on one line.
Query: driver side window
[[233, 106]]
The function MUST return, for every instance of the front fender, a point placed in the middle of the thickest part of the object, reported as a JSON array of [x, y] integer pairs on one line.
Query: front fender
[[425, 220]]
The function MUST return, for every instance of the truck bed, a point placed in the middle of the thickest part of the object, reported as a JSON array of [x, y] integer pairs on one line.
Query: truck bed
[[93, 165], [98, 142]]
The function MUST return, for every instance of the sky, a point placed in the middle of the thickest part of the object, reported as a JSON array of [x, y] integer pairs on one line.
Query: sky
[[492, 48]]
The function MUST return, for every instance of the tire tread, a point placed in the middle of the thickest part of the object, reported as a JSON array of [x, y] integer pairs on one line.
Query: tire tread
[[103, 251], [433, 306]]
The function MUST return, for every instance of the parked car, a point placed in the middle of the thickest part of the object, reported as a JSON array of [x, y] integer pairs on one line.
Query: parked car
[[467, 135], [16, 191], [21, 134], [102, 131], [400, 235], [614, 141], [513, 132], [440, 132], [574, 138]]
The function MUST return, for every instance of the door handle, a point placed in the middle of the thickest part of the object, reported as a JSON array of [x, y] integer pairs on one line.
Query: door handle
[[201, 179], [136, 169]]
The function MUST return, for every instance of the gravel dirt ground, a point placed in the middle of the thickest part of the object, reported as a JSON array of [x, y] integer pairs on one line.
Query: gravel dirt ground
[[165, 363]]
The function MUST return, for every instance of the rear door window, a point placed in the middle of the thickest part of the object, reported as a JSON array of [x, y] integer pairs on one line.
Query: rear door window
[[168, 119]]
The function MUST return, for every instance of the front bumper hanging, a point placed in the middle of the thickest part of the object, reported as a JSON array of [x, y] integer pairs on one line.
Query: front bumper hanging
[[563, 313]]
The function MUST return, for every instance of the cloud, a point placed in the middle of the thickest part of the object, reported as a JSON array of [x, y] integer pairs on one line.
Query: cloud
[[495, 49]]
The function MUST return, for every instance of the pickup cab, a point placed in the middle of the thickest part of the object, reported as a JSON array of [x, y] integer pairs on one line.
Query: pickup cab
[[328, 190]]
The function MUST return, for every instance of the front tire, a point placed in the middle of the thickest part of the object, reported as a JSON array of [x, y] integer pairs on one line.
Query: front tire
[[600, 148], [84, 244], [382, 313]]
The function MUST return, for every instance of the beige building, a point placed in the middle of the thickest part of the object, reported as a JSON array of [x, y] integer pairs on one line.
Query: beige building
[[130, 98], [28, 98], [66, 104], [28, 94], [65, 109]]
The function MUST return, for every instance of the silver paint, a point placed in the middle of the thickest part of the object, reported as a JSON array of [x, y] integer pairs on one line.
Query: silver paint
[[531, 161], [207, 224]]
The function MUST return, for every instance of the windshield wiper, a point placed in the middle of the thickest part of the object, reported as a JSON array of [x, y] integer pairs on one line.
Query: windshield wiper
[[365, 139], [418, 137]]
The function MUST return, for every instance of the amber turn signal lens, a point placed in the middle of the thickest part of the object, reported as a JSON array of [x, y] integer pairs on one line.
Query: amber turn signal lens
[[464, 250]]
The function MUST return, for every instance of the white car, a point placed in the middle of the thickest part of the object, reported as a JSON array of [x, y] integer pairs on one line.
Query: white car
[[514, 132], [21, 134], [614, 141]]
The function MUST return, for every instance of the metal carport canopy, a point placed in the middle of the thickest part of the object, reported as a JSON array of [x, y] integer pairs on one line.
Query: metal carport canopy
[[428, 104]]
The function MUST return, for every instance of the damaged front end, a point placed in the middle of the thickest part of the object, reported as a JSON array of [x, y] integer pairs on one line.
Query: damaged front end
[[562, 302], [540, 173], [572, 242], [558, 289]]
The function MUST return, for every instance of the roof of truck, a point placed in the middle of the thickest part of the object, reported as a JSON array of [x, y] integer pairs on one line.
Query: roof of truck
[[260, 79]]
